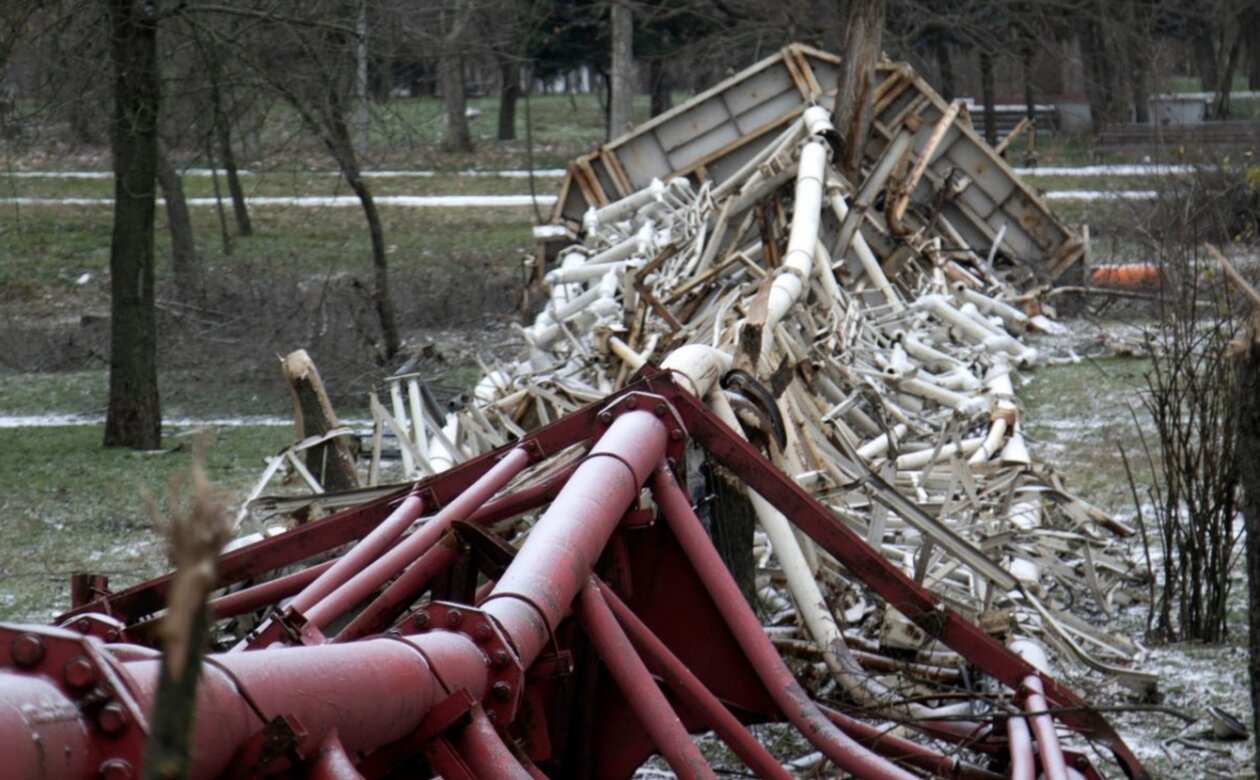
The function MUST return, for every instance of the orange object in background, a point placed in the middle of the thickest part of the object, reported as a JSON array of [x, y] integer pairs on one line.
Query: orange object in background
[[1134, 277]]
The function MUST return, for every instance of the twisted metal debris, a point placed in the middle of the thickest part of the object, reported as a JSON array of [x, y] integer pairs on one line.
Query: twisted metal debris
[[838, 357]]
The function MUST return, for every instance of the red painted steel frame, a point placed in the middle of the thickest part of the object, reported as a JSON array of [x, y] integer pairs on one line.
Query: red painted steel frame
[[391, 698]]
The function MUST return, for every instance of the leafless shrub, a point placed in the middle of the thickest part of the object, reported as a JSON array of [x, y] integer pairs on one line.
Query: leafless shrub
[[1190, 403]]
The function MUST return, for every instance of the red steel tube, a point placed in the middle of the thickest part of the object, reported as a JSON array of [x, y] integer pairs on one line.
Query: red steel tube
[[693, 692], [899, 749], [363, 553], [401, 592], [265, 593], [1019, 741], [536, 591], [332, 763], [351, 688], [52, 746], [660, 721], [372, 576], [1053, 765], [482, 749], [787, 693]]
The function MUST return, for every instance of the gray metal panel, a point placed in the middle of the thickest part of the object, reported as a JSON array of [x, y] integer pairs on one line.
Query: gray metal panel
[[697, 121], [1024, 212], [688, 154], [773, 108], [642, 159], [766, 85], [722, 167], [981, 168]]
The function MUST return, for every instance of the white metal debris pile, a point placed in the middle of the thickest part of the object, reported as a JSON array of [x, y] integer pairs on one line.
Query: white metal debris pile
[[865, 330]]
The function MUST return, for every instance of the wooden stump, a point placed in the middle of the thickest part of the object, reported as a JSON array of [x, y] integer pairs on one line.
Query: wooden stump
[[331, 462]]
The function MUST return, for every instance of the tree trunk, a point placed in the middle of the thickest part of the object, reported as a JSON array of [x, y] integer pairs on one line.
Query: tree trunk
[[1248, 443], [1226, 85], [179, 223], [458, 137], [662, 97], [1204, 49], [946, 66], [852, 116], [223, 135], [343, 150], [134, 418], [987, 95], [1093, 55], [361, 117], [621, 101], [509, 93]]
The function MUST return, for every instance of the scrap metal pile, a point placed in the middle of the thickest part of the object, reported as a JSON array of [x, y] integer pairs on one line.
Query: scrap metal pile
[[837, 358]]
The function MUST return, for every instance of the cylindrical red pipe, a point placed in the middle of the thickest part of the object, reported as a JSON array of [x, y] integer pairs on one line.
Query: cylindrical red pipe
[[354, 689], [1053, 765], [376, 616], [482, 749], [386, 566], [265, 593], [660, 721], [791, 699], [41, 734], [332, 763], [1019, 742], [537, 589], [693, 692], [363, 553], [902, 750]]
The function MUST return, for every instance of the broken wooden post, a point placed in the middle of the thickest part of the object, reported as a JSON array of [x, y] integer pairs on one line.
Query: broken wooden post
[[331, 462]]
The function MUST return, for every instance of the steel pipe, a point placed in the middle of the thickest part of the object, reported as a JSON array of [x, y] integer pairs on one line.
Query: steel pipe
[[787, 693], [658, 719], [693, 693], [372, 576], [535, 592]]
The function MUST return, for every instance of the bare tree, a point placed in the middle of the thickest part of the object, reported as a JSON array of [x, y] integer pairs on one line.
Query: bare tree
[[310, 62], [621, 106], [134, 417]]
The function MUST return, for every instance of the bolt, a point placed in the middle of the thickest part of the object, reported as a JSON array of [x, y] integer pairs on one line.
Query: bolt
[[676, 434], [454, 618], [79, 672], [482, 632], [660, 409], [631, 403], [501, 690], [500, 659], [112, 635], [28, 650], [422, 620], [113, 718], [116, 769], [84, 625], [1082, 763], [605, 417]]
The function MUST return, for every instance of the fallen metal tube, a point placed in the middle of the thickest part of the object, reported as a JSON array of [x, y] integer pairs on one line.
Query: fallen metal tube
[[535, 592], [637, 686], [796, 705], [1049, 750], [363, 553], [1019, 746], [481, 748], [378, 571], [688, 687], [902, 750]]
